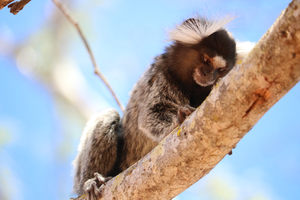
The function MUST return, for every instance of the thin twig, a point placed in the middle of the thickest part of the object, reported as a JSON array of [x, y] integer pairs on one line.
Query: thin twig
[[97, 71]]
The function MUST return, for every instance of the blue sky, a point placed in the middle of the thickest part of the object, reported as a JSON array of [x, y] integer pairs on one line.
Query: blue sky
[[39, 136]]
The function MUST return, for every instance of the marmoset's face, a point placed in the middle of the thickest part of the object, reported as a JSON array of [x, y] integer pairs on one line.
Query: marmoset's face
[[210, 69], [216, 57]]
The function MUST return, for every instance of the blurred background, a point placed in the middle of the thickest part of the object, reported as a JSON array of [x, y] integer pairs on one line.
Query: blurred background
[[48, 91]]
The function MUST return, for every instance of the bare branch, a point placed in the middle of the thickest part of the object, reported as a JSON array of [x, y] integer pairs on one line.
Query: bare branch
[[96, 68], [234, 106]]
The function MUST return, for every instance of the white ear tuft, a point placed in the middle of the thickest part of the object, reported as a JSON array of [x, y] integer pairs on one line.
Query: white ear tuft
[[195, 29]]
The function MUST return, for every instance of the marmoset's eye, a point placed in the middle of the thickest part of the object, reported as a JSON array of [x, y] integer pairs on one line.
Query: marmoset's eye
[[221, 69], [206, 61]]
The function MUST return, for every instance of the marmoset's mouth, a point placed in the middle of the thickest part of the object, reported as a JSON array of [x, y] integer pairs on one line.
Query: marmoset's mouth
[[202, 80]]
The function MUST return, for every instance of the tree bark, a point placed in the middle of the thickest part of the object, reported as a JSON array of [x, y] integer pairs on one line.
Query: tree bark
[[234, 106]]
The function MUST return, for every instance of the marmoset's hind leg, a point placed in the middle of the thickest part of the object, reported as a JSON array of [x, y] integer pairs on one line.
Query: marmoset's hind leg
[[97, 151]]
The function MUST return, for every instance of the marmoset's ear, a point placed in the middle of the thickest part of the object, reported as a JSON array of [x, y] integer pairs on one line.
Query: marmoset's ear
[[242, 50], [193, 30]]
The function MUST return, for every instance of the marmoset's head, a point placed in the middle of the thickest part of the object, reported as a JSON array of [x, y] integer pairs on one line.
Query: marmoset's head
[[202, 50]]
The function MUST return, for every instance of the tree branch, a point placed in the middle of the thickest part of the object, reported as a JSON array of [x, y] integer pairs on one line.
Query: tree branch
[[17, 6], [97, 71], [14, 7], [234, 106], [4, 3]]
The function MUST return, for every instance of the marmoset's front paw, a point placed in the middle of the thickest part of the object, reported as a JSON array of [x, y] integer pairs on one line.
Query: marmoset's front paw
[[94, 186], [184, 112]]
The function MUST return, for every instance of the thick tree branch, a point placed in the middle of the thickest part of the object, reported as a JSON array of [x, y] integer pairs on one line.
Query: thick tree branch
[[96, 68], [234, 106]]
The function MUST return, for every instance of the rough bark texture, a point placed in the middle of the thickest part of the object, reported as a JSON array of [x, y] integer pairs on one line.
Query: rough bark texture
[[231, 110]]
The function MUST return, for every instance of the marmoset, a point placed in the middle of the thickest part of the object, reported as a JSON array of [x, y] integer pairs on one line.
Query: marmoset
[[179, 80]]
